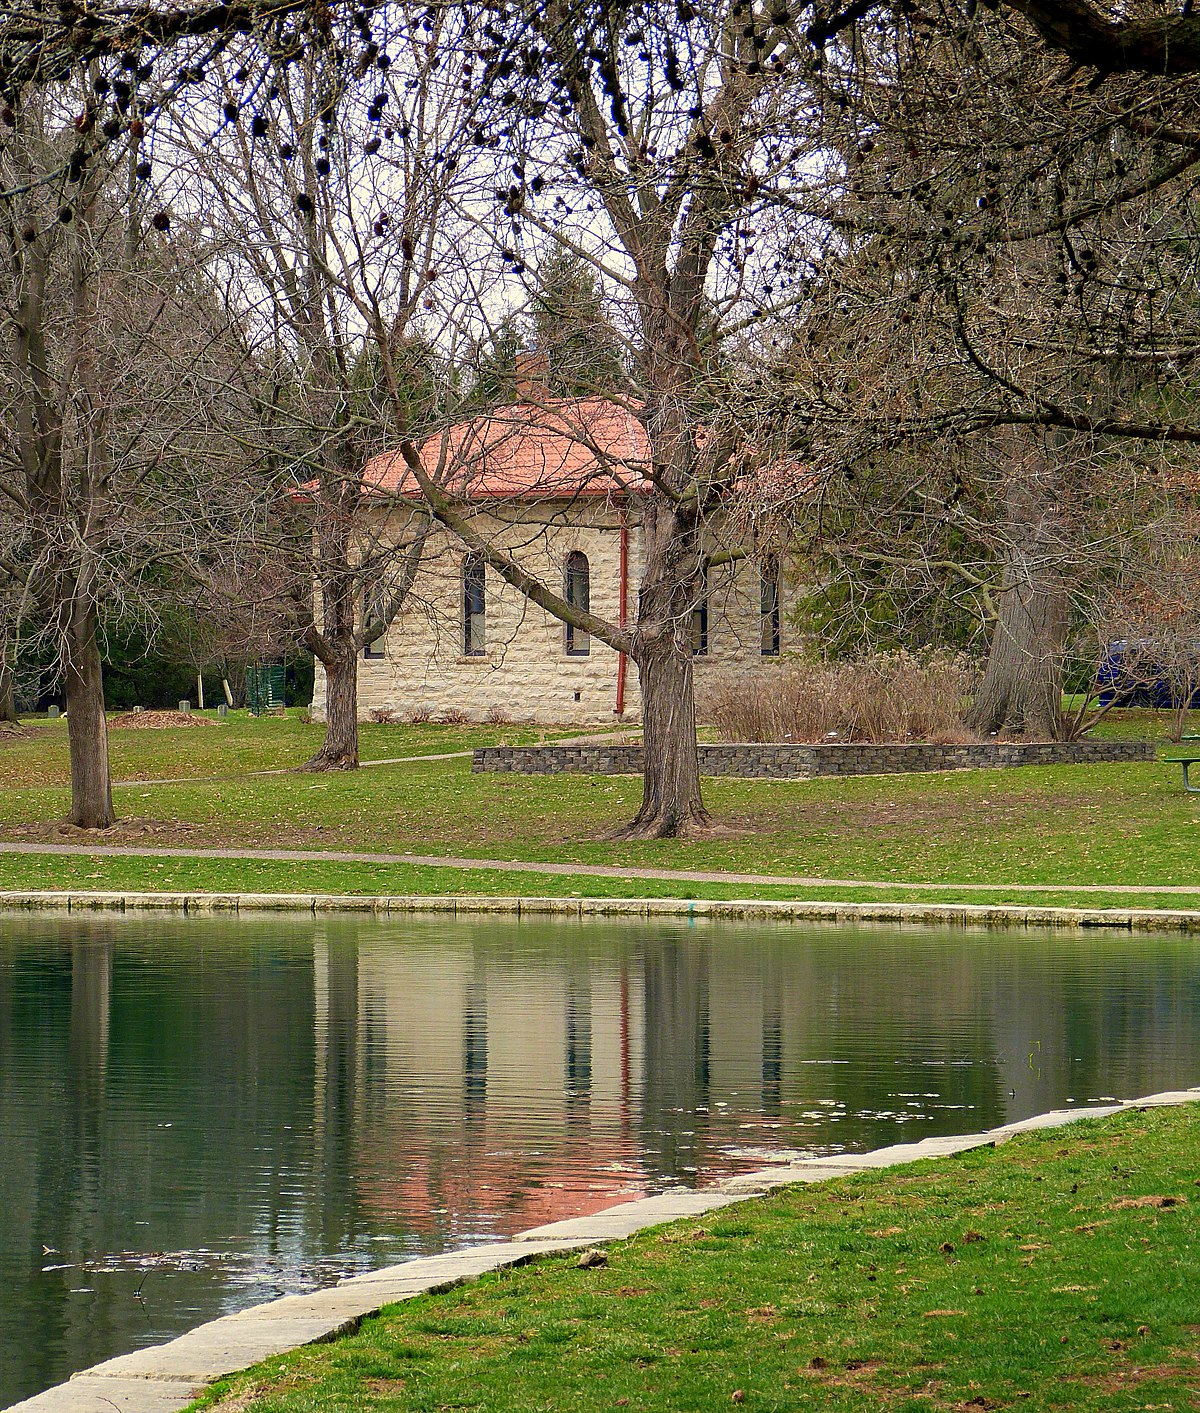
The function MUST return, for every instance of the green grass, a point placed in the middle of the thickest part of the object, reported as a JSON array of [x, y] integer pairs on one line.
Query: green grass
[[235, 745], [1059, 1271], [31, 872], [1063, 826]]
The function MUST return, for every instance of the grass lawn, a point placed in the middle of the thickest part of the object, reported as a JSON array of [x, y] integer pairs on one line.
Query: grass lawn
[[1063, 826], [1059, 1271], [235, 745]]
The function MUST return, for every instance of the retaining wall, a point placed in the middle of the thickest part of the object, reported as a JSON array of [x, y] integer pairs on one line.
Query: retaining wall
[[775, 761]]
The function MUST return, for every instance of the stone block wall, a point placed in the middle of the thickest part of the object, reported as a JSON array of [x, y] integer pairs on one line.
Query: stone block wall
[[526, 674], [803, 762]]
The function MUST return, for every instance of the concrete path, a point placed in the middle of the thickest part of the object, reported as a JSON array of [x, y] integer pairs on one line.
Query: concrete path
[[282, 770], [166, 1377], [569, 870]]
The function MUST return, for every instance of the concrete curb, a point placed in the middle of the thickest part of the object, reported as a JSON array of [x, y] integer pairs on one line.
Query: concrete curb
[[167, 1377], [753, 910]]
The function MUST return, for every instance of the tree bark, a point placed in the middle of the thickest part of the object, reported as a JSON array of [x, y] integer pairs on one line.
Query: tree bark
[[1021, 692], [335, 643], [339, 749], [87, 730], [8, 700], [671, 800]]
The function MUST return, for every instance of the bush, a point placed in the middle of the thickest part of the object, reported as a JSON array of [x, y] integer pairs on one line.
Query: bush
[[882, 697]]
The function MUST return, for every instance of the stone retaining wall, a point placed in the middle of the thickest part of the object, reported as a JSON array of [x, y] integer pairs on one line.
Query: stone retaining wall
[[787, 762]]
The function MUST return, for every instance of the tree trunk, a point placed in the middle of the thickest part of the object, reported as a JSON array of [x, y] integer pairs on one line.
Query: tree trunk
[[87, 730], [339, 750], [671, 801], [8, 700], [1021, 692]]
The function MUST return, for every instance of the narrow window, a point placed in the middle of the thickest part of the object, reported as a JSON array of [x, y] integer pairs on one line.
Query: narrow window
[[474, 606], [700, 616], [577, 592], [375, 647], [768, 607]]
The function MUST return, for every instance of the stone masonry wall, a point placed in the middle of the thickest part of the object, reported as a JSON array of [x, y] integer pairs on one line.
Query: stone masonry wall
[[799, 762], [525, 673]]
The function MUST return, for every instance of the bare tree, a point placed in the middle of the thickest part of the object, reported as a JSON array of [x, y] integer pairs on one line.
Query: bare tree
[[1008, 273], [110, 471], [650, 144], [329, 184]]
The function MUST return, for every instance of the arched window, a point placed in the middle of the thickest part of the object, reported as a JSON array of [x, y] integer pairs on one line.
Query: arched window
[[577, 590], [372, 601], [473, 606], [768, 605], [700, 615]]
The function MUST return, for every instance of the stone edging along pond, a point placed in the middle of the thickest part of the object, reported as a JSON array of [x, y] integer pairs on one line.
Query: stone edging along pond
[[167, 1377], [785, 761], [998, 915]]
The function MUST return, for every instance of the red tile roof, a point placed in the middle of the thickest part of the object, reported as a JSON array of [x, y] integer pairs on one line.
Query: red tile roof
[[558, 448]]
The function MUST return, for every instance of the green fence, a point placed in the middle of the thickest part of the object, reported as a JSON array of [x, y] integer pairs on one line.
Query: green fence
[[264, 688]]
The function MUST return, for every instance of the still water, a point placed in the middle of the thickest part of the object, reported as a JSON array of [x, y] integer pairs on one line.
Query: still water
[[199, 1115]]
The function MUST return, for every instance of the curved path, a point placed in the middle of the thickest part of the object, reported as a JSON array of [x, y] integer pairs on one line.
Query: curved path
[[582, 870]]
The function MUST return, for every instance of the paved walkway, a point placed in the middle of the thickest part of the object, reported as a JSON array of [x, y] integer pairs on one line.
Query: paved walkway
[[589, 739], [166, 1377], [581, 870]]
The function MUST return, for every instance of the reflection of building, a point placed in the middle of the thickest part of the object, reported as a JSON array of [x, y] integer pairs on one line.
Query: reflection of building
[[508, 1088], [557, 483], [345, 1091]]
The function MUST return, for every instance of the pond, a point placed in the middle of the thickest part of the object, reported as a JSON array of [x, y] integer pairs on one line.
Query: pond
[[197, 1115]]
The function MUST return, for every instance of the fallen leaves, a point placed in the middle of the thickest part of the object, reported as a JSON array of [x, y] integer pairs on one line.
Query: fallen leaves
[[1146, 1201]]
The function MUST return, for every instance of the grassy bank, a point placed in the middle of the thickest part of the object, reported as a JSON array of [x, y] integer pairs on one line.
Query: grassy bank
[[36, 872], [1063, 826], [1058, 1271]]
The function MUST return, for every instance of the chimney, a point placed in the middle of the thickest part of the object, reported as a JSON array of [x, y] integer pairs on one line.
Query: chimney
[[533, 376]]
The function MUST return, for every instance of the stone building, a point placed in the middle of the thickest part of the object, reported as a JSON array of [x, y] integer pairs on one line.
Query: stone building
[[555, 482]]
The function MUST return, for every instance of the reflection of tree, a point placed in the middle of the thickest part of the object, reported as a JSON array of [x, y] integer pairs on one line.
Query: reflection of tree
[[675, 1083], [41, 1168], [578, 1059], [91, 986], [336, 1115], [172, 1112], [1088, 1021], [475, 1050]]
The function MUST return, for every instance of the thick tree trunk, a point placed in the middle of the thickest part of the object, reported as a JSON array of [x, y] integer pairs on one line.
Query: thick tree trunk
[[1021, 692], [87, 730], [671, 799], [8, 700], [339, 750]]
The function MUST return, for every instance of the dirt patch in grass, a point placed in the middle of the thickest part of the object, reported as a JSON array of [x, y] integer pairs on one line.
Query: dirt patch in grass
[[384, 1387], [124, 831]]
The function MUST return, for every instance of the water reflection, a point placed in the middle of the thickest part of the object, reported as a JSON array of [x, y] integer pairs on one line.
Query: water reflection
[[195, 1115]]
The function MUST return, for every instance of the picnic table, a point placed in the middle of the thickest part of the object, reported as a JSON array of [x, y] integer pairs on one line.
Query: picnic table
[[1187, 762]]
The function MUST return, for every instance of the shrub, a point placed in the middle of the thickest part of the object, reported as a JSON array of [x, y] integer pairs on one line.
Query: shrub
[[418, 716], [383, 716], [893, 696]]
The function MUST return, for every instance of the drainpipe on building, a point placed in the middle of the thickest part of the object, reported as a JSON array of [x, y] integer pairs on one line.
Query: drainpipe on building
[[622, 608]]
